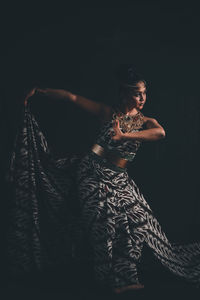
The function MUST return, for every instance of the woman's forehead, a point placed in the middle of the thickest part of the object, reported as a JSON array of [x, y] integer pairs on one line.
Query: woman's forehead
[[140, 86]]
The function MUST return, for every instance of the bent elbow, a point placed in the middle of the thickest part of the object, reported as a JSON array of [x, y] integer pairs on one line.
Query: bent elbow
[[162, 134]]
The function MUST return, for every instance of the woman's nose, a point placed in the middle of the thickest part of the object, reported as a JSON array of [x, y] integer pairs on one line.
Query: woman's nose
[[141, 98]]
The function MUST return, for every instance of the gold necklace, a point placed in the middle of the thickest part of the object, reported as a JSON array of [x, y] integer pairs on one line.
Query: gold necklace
[[128, 123]]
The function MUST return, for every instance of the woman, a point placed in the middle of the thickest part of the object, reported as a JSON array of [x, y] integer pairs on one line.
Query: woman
[[115, 217]]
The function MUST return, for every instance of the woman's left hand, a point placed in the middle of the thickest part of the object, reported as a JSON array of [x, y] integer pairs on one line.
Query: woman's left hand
[[117, 131]]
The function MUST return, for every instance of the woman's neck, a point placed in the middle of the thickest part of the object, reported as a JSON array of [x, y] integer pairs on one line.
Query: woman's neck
[[132, 112], [127, 111]]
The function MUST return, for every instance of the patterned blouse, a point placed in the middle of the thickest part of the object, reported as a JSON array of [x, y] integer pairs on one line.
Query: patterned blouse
[[127, 148]]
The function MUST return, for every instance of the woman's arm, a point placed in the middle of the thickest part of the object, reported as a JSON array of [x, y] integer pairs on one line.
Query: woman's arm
[[101, 110], [153, 132]]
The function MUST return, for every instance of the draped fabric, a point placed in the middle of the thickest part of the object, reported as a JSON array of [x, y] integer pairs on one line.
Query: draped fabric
[[40, 215], [119, 221], [59, 203]]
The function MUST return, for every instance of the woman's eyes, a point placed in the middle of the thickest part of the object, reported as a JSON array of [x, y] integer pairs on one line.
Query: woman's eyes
[[138, 94]]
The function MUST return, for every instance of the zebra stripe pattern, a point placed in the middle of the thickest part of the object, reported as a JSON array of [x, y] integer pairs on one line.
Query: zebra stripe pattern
[[57, 203]]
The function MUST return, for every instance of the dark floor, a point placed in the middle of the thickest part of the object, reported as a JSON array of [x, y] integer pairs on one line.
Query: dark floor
[[153, 290], [79, 287]]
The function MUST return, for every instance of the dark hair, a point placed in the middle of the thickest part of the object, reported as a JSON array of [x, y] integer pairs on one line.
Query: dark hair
[[128, 78]]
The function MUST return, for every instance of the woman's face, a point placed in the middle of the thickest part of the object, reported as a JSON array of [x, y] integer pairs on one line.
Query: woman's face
[[138, 98]]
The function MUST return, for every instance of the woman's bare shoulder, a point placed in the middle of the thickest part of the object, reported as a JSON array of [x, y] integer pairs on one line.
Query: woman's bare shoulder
[[106, 113], [149, 119], [151, 122]]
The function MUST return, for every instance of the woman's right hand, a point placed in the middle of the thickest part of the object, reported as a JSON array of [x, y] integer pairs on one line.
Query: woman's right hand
[[29, 94], [54, 93]]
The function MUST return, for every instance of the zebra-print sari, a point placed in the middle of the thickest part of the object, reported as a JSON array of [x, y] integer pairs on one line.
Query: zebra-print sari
[[59, 203]]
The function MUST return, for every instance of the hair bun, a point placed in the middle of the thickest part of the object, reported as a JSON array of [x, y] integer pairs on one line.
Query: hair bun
[[127, 74]]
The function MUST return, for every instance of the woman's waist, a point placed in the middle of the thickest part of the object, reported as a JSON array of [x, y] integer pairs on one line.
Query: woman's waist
[[109, 156], [123, 150]]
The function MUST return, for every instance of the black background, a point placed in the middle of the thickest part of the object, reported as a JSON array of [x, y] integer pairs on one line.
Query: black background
[[78, 47]]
